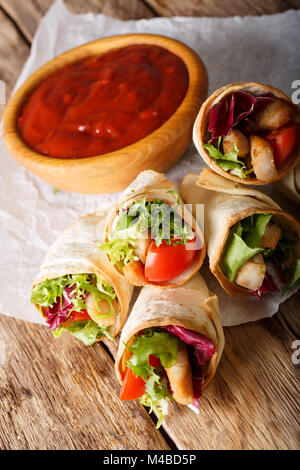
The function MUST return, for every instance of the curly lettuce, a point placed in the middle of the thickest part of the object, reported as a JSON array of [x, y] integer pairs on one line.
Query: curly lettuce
[[164, 346], [52, 292], [163, 221], [88, 331]]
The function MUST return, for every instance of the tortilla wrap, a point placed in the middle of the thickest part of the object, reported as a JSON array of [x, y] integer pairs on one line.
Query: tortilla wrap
[[150, 185], [191, 306], [200, 132], [74, 252], [225, 204], [289, 185]]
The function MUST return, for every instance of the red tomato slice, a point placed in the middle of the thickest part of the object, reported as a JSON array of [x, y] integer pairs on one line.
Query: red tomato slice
[[154, 361], [132, 387], [284, 141], [168, 261], [80, 316]]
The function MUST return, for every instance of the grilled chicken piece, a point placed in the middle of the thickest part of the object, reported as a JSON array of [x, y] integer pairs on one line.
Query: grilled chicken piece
[[274, 115], [141, 248], [180, 377], [251, 275], [271, 236], [103, 309], [262, 159], [134, 273], [241, 141]]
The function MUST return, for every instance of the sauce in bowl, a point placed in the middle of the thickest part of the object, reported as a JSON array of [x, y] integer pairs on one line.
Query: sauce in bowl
[[103, 103]]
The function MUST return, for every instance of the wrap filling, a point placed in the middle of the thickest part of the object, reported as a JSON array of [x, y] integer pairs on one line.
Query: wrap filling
[[251, 136], [82, 304], [166, 363], [259, 255], [151, 243]]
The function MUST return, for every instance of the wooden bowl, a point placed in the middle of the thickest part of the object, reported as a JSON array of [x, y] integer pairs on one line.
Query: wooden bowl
[[201, 125], [112, 171]]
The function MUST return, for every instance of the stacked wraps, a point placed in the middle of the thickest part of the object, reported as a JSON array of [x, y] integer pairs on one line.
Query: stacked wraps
[[74, 264], [235, 215], [190, 315]]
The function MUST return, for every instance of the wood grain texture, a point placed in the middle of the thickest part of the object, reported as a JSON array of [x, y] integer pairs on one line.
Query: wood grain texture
[[13, 53], [111, 172], [27, 14], [252, 401], [61, 394], [219, 7]]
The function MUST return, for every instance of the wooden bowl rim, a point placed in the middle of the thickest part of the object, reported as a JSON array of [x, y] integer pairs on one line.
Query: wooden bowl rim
[[202, 118], [197, 77]]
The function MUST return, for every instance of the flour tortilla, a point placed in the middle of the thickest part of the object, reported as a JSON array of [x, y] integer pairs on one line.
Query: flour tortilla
[[290, 184], [200, 133], [150, 185], [75, 252], [192, 306], [226, 203]]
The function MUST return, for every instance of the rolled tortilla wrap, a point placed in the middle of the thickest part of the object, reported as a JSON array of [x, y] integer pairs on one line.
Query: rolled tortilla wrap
[[190, 306], [75, 252], [225, 204], [289, 185], [201, 135], [151, 185]]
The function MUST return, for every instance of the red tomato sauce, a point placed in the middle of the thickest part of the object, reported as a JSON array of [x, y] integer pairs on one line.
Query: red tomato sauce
[[103, 103]]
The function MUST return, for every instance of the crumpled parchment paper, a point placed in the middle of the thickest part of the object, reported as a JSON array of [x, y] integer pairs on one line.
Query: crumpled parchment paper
[[264, 49]]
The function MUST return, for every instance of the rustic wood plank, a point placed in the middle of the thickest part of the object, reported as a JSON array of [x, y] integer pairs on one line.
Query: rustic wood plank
[[27, 15], [14, 51], [251, 402], [289, 314], [219, 7], [59, 394]]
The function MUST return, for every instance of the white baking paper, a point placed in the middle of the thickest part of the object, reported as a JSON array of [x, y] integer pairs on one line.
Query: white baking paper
[[264, 49]]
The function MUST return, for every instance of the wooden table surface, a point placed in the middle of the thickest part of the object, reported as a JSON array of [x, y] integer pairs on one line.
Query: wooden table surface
[[58, 394]]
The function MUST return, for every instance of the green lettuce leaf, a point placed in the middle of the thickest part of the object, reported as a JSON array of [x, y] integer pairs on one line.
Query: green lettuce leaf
[[49, 292], [259, 223], [228, 161], [165, 224], [120, 251], [88, 331], [244, 242], [164, 346], [295, 277], [236, 254]]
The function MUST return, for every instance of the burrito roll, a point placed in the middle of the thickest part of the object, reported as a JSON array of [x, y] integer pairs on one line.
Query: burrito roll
[[150, 238], [248, 133], [77, 289], [253, 245], [170, 346]]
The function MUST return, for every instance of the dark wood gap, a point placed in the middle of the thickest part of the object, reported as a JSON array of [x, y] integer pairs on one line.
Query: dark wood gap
[[150, 7], [16, 25]]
